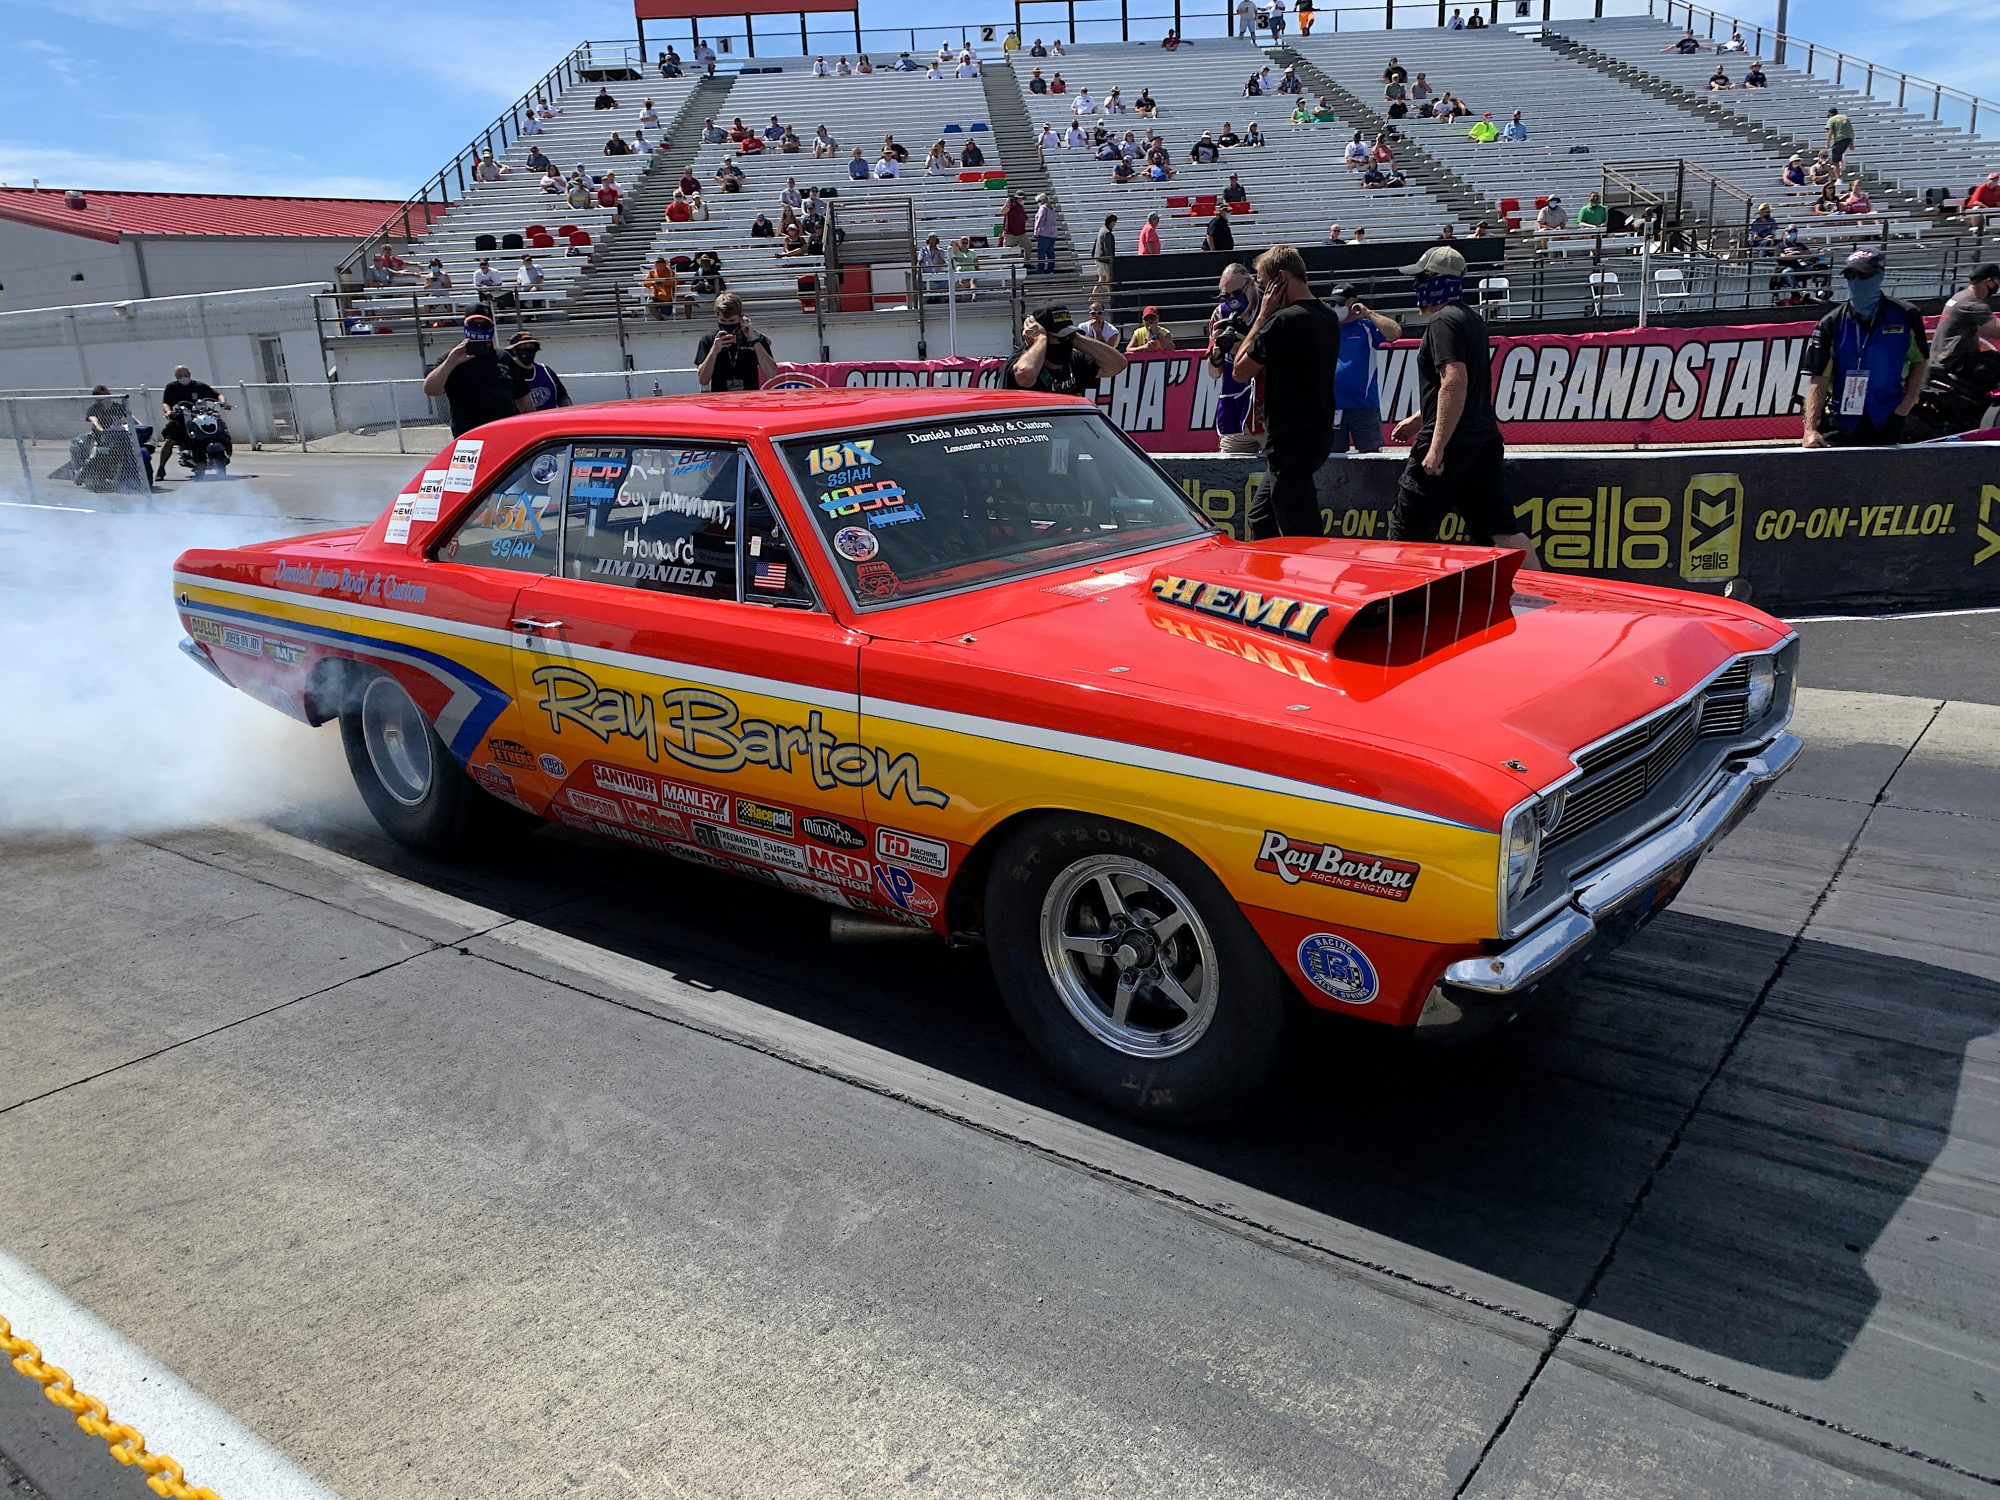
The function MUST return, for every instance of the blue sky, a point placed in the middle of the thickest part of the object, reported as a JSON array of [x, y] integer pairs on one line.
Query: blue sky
[[368, 97]]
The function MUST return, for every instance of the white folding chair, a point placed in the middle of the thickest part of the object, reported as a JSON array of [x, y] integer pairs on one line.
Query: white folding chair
[[1670, 284], [1495, 292], [1604, 288]]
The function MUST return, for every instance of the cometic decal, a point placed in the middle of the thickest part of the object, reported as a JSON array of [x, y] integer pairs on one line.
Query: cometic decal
[[1335, 967], [1302, 860], [708, 731], [1291, 618]]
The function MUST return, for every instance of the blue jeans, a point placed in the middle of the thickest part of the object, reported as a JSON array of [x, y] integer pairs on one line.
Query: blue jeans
[[1045, 252]]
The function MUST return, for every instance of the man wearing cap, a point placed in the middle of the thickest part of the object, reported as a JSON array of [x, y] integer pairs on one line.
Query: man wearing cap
[[472, 379], [1150, 334], [1982, 199], [1058, 357], [536, 386], [1357, 397], [1455, 447], [1294, 346], [1239, 426], [1868, 360], [1967, 318]]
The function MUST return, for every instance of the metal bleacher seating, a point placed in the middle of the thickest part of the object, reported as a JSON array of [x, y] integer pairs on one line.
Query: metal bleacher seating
[[858, 111], [1298, 185], [506, 218]]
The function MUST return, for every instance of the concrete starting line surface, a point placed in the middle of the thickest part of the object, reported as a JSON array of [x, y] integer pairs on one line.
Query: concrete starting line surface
[[338, 1173]]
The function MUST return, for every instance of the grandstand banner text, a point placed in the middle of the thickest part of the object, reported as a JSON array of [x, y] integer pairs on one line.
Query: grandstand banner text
[[1634, 385]]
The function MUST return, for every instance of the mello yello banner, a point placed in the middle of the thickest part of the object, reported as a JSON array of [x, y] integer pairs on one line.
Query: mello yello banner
[[1650, 385]]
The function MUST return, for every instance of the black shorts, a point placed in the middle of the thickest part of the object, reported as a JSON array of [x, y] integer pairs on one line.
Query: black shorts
[[1469, 485]]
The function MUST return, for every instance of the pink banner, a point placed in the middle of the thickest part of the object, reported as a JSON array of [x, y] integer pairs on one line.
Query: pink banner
[[1635, 385]]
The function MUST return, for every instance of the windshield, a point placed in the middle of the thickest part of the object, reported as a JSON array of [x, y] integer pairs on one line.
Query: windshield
[[913, 512]]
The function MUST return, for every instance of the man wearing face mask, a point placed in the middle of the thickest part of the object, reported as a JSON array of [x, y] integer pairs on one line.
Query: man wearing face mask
[[735, 357], [473, 379], [1295, 346], [1455, 458], [1868, 360], [536, 386], [1357, 423], [1238, 424]]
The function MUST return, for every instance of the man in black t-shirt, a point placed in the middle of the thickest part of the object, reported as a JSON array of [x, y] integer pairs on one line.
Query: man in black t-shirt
[[479, 386], [735, 357], [1059, 358], [1455, 458], [181, 390], [1294, 347]]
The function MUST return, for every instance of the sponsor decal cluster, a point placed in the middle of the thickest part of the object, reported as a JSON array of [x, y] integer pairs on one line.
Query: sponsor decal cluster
[[1334, 966], [1293, 619], [1296, 861], [764, 818], [708, 731], [893, 846]]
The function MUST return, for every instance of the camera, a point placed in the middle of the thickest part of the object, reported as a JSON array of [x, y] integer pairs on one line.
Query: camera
[[1222, 343]]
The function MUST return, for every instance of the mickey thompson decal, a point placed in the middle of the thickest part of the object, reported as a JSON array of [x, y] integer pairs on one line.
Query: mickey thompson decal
[[708, 731]]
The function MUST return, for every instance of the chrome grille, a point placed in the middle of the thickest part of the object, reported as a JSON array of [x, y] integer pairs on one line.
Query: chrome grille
[[1727, 716], [1651, 751]]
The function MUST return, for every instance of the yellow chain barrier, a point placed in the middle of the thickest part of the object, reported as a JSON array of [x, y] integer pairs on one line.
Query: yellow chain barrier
[[163, 1475]]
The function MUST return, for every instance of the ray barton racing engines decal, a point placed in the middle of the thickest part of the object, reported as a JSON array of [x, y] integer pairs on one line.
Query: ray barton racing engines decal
[[1303, 860]]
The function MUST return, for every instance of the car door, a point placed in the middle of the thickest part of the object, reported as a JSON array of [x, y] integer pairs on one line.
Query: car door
[[682, 685]]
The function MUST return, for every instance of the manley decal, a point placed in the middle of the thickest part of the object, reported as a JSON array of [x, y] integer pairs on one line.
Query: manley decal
[[1291, 618], [708, 731]]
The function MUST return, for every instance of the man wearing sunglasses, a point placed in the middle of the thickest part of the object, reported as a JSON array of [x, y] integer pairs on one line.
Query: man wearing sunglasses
[[1294, 348]]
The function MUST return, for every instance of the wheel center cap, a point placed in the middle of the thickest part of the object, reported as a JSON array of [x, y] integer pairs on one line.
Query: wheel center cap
[[1137, 951]]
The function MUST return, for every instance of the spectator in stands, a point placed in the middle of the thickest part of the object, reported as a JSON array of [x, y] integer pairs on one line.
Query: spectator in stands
[[1822, 170], [971, 157], [528, 280], [1516, 129], [774, 132], [1246, 19], [761, 228], [864, 65], [1357, 153], [1172, 40], [1484, 131], [934, 265], [938, 162], [729, 175], [1275, 20], [579, 192], [712, 134], [1594, 215], [1045, 234], [1107, 150], [552, 182], [489, 170], [1397, 110], [1038, 50], [843, 69], [1083, 104], [604, 99], [735, 356], [1234, 191], [1762, 236], [1145, 106], [1059, 357], [1124, 172], [661, 284], [1828, 201], [538, 161], [1150, 334], [1552, 214], [1794, 174], [608, 191], [1967, 319], [1219, 236], [751, 144], [1334, 236], [1158, 169], [789, 142], [888, 164], [1036, 83], [1357, 418], [1420, 91], [908, 64], [1452, 109], [1857, 201], [1114, 102], [1381, 153], [1476, 22], [1075, 140], [617, 145], [670, 63], [1302, 115], [1839, 135], [649, 117], [821, 69], [968, 67], [1981, 200], [1456, 452], [529, 124], [1104, 249], [1229, 138], [1014, 223], [1288, 83], [1755, 79], [1098, 326], [1379, 176], [1056, 48], [1294, 342], [1481, 230], [1687, 45], [857, 165], [794, 241], [1149, 235], [1252, 136], [1057, 86], [486, 284], [703, 53], [1205, 152], [824, 144], [477, 386], [1735, 43], [1872, 352], [1394, 89], [1719, 79]]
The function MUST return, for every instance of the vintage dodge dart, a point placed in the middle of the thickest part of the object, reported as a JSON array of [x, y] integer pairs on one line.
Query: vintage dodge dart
[[968, 661]]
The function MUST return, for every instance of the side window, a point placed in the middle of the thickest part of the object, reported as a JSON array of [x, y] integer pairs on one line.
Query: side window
[[654, 518], [771, 571], [517, 525]]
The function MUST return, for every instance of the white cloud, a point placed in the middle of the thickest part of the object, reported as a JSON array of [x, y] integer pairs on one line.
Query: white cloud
[[50, 58]]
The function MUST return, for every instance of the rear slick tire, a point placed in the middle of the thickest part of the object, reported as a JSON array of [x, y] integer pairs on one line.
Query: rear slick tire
[[410, 780], [1131, 971]]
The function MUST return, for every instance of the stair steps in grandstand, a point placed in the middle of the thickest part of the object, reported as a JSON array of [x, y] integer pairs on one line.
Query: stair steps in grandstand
[[1014, 133], [1448, 187], [624, 254]]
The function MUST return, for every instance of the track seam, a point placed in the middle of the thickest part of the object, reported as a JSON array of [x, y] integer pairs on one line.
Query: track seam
[[1564, 1328]]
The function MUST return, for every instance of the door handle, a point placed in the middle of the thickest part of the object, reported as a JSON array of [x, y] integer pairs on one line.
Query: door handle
[[523, 623]]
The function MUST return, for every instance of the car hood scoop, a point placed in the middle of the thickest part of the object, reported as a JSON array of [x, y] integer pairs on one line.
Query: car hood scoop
[[1386, 606]]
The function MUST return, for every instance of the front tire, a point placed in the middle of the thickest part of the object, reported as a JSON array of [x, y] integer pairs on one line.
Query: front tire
[[1131, 970], [412, 784]]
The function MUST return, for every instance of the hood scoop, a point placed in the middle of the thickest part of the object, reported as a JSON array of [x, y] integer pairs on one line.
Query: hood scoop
[[1383, 605]]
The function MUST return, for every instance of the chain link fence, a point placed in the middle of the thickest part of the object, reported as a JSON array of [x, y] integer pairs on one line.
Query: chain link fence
[[59, 450]]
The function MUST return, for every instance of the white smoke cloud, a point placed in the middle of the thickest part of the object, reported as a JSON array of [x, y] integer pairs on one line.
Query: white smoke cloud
[[105, 727]]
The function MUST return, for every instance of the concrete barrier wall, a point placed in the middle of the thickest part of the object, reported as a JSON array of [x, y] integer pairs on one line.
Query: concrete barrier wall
[[1794, 531]]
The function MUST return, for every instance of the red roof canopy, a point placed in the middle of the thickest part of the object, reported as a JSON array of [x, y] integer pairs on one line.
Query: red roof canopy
[[108, 216]]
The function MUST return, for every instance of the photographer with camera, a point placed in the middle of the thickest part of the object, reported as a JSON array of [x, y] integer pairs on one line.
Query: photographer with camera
[[1060, 358], [1239, 426], [735, 357]]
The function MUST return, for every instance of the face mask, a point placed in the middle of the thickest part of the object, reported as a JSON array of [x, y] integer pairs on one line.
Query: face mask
[[527, 352], [1436, 291], [1865, 294], [1346, 311]]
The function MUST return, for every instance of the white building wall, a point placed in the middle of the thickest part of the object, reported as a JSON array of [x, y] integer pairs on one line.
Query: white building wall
[[36, 265]]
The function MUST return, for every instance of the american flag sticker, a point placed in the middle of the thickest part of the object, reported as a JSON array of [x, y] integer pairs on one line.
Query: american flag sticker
[[768, 575]]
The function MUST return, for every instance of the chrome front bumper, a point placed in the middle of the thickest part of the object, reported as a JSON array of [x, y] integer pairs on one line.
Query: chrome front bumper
[[1611, 903]]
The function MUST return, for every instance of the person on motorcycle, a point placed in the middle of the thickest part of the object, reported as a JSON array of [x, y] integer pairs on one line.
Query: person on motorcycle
[[107, 411], [182, 390], [1967, 319]]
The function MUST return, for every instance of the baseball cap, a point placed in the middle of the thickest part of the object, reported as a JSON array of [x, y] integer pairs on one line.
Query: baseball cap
[[479, 328], [1988, 272], [1867, 261], [1054, 319], [1149, 312], [1341, 292], [523, 337], [1439, 260]]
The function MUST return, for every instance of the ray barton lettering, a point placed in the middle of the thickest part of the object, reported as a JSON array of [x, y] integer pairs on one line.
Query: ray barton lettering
[[707, 731]]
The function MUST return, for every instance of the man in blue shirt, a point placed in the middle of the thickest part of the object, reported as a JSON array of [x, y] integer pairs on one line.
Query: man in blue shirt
[[1357, 398], [1868, 360], [1238, 428]]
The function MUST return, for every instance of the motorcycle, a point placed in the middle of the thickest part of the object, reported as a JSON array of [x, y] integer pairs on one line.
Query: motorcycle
[[1965, 401], [204, 440], [114, 459]]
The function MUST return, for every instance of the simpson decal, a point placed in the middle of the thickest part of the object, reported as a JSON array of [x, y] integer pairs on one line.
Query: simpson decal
[[1336, 967], [900, 848], [1291, 618], [597, 807], [1302, 860]]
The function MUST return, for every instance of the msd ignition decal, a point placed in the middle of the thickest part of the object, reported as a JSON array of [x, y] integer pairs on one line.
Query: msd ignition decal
[[901, 887], [708, 731], [842, 869], [1337, 968], [1292, 618], [1295, 860], [832, 831], [763, 817], [900, 848]]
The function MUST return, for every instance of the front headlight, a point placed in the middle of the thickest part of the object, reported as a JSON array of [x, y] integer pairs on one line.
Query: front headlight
[[1763, 687], [1522, 841]]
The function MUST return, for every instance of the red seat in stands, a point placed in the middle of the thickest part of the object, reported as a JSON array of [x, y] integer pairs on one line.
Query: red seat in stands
[[1177, 202], [536, 229], [1239, 208]]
